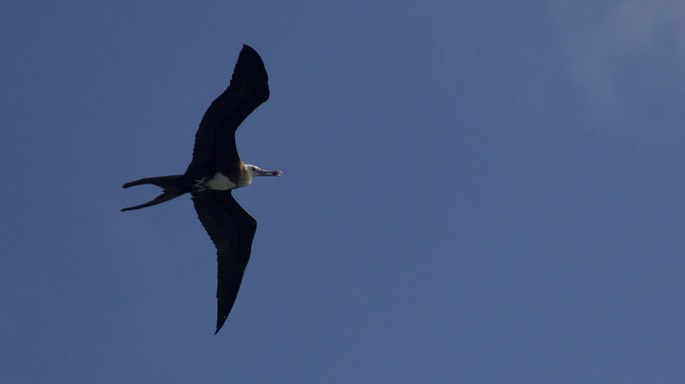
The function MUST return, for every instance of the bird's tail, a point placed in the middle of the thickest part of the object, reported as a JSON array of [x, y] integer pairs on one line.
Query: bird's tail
[[172, 185]]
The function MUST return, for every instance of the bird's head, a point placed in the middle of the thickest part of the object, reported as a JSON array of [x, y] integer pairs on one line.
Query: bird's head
[[255, 171]]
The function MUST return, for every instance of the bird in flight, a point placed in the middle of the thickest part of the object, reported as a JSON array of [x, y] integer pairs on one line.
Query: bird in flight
[[215, 170]]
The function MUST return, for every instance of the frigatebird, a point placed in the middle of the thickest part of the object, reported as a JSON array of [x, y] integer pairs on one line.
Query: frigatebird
[[215, 170]]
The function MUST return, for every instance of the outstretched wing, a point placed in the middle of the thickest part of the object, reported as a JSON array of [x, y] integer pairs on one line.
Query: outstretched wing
[[215, 139], [231, 230]]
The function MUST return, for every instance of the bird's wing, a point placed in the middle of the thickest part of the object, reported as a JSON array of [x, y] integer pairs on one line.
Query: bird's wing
[[231, 230], [215, 138]]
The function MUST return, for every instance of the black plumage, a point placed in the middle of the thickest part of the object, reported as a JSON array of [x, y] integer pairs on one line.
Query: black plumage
[[215, 170]]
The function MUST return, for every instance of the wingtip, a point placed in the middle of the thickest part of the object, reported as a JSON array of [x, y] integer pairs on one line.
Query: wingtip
[[220, 321], [249, 48]]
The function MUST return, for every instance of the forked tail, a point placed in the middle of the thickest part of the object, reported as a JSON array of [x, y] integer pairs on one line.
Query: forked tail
[[172, 186]]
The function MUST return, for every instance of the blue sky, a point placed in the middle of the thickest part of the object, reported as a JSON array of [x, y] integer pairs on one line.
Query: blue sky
[[473, 191]]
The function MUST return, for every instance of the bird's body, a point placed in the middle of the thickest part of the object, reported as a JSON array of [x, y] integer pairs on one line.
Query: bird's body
[[215, 170]]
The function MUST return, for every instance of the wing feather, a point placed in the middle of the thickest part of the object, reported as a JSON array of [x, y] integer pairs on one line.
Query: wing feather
[[248, 89], [232, 230]]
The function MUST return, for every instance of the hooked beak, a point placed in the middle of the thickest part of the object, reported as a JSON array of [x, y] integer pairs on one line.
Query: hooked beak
[[269, 173]]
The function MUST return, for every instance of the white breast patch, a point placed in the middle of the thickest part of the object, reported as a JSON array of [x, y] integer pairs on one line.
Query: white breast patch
[[219, 182]]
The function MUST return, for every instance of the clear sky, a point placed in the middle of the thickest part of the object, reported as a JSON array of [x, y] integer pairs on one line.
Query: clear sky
[[474, 192]]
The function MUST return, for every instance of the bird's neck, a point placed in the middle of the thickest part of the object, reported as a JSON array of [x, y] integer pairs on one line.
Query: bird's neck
[[245, 177]]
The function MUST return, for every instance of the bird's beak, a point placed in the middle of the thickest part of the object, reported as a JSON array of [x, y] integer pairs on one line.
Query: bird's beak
[[270, 173]]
